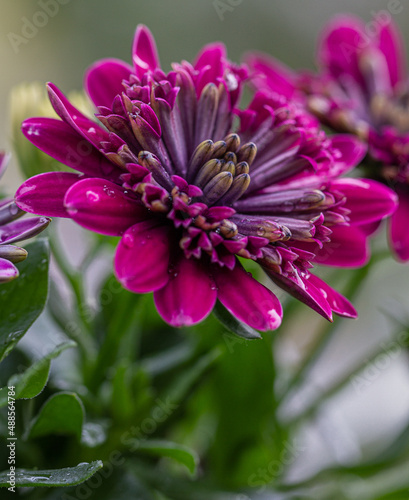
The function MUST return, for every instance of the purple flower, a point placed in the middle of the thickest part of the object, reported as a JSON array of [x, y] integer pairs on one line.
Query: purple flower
[[189, 192], [362, 88], [13, 230]]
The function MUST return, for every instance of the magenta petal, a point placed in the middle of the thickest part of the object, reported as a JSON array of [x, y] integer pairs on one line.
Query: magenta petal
[[103, 207], [304, 291], [247, 299], [338, 303], [398, 227], [144, 53], [391, 44], [348, 248], [44, 194], [59, 140], [340, 45], [189, 296], [8, 271], [89, 129], [212, 55], [22, 229], [368, 200], [103, 80], [371, 228], [142, 257], [268, 73], [352, 152]]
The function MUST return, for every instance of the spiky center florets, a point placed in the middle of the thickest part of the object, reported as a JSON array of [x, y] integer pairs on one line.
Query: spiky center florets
[[201, 210]]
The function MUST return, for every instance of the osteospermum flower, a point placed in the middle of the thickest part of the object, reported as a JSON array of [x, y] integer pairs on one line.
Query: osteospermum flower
[[13, 230], [189, 192], [362, 88]]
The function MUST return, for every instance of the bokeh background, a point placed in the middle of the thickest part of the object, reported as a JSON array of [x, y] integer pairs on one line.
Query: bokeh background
[[85, 30]]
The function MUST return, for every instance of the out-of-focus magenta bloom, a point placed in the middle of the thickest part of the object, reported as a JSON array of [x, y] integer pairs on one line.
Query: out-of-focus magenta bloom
[[362, 88], [190, 193], [13, 230]]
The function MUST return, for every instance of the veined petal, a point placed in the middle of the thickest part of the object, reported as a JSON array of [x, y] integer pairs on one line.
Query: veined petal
[[304, 291], [348, 248], [142, 257], [144, 53], [89, 129], [368, 200], [247, 299], [103, 207], [189, 296], [44, 194], [398, 227], [338, 303], [22, 229], [59, 140], [103, 80], [8, 271]]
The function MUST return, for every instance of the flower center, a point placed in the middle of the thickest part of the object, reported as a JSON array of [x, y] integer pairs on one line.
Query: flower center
[[394, 110], [200, 205]]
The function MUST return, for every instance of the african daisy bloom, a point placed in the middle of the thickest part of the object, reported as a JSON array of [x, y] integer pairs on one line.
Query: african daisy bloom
[[13, 230], [189, 192], [362, 88]]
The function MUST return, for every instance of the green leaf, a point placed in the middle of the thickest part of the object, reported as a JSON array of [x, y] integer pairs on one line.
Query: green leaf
[[30, 383], [62, 413], [180, 387], [177, 452], [22, 300], [233, 324], [68, 476]]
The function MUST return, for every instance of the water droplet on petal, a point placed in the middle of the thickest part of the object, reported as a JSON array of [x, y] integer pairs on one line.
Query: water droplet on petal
[[128, 240], [13, 209], [92, 197], [108, 191]]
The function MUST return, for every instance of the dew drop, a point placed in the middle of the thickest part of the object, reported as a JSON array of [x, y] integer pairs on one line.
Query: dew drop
[[128, 240], [38, 479], [33, 131], [109, 192], [92, 197], [13, 209]]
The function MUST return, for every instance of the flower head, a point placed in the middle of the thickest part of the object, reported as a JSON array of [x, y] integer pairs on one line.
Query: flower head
[[13, 230], [362, 88], [189, 191]]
